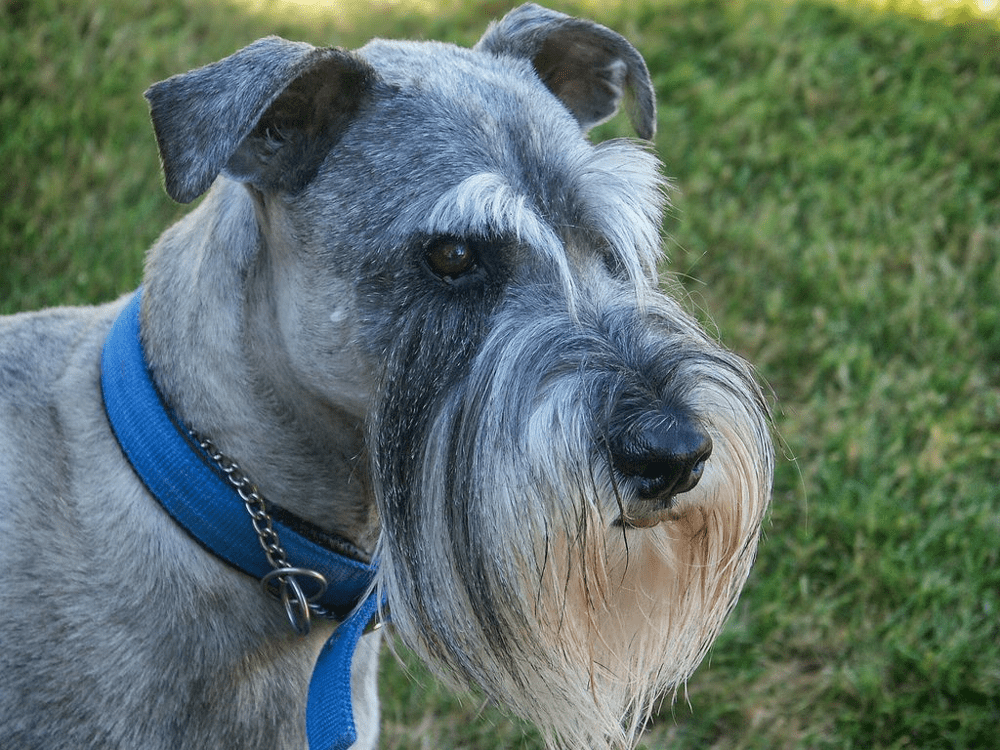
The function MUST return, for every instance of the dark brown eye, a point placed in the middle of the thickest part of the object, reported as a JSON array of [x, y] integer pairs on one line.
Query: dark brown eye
[[450, 258]]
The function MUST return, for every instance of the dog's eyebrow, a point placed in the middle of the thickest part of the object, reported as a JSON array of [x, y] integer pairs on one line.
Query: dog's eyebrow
[[486, 205], [622, 194]]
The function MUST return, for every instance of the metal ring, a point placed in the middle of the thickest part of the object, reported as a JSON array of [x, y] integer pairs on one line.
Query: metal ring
[[296, 607], [282, 573], [290, 592]]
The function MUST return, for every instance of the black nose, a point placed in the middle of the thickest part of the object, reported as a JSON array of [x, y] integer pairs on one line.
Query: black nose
[[661, 454]]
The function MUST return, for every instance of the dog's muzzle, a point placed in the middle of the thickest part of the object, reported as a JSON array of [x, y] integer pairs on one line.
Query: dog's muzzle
[[511, 470]]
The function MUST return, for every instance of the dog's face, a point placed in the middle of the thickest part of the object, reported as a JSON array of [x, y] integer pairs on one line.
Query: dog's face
[[460, 179], [570, 474]]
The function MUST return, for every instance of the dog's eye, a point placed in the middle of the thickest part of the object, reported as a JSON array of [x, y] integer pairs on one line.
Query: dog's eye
[[450, 258]]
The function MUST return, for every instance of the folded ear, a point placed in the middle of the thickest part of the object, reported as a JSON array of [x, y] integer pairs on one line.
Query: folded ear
[[266, 115], [587, 66]]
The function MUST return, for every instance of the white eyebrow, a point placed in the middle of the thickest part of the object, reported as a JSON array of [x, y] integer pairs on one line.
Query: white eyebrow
[[485, 205], [623, 195]]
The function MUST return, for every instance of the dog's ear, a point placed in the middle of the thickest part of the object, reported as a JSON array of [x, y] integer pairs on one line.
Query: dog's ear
[[266, 115], [587, 66]]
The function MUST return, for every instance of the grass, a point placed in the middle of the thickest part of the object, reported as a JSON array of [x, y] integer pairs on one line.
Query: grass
[[838, 222]]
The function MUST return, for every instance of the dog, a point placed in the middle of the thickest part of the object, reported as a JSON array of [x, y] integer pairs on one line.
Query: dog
[[409, 360]]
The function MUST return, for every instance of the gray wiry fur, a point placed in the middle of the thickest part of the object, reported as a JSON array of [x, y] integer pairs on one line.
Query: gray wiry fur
[[496, 436]]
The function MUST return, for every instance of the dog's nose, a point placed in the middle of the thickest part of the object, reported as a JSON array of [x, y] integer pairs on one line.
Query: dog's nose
[[661, 454]]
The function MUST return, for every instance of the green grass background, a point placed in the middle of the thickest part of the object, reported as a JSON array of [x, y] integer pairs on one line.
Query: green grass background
[[837, 220]]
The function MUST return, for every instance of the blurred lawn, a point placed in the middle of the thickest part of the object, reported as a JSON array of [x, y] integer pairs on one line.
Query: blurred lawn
[[838, 222]]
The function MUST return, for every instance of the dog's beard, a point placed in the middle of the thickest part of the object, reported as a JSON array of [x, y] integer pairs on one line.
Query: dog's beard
[[502, 555]]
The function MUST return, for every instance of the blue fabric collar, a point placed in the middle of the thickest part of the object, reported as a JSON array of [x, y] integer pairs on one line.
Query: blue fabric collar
[[193, 490]]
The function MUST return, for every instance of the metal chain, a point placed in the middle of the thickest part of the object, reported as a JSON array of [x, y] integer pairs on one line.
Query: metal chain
[[283, 581]]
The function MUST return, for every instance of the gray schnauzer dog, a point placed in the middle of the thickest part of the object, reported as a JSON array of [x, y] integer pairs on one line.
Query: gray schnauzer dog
[[415, 324]]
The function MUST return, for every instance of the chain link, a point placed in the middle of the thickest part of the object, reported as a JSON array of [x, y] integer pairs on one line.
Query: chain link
[[288, 589]]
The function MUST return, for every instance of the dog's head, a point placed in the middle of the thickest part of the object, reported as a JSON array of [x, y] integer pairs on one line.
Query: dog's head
[[570, 474]]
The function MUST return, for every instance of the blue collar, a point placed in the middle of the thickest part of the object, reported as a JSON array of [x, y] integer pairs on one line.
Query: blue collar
[[193, 490]]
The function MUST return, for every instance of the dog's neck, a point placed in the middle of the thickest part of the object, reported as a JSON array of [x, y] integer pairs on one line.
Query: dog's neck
[[207, 497], [215, 352]]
